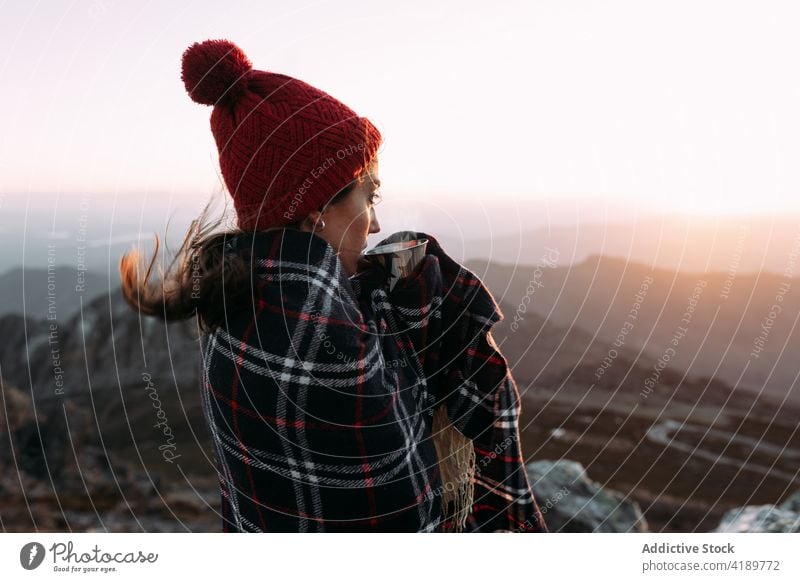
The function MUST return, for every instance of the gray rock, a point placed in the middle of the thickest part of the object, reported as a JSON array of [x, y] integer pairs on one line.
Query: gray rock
[[760, 519], [107, 339], [792, 503], [571, 502]]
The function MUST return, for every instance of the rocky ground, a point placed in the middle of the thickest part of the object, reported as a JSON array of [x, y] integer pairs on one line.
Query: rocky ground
[[686, 465], [81, 485], [609, 472]]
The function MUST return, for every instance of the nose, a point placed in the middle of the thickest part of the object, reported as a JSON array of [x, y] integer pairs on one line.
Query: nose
[[374, 225]]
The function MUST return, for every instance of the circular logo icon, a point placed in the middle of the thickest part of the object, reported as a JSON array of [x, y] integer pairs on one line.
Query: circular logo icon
[[31, 555]]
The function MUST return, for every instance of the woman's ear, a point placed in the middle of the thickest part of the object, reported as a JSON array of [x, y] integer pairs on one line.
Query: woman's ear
[[307, 224]]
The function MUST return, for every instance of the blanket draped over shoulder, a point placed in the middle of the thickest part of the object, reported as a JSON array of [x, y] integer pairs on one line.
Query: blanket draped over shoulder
[[320, 395]]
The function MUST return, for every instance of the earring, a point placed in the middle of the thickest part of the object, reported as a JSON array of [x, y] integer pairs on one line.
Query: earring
[[321, 224]]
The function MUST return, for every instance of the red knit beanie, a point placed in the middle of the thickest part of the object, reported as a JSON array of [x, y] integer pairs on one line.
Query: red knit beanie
[[285, 147]]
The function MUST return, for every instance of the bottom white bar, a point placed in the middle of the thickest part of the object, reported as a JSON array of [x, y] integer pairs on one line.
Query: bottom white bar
[[331, 557]]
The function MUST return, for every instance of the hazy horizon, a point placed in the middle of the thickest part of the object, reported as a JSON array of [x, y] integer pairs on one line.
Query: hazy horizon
[[510, 232]]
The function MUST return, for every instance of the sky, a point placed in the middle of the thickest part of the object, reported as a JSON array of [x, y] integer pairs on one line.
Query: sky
[[685, 106]]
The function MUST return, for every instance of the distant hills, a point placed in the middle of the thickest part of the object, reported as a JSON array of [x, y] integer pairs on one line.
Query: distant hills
[[674, 242], [568, 312], [707, 324]]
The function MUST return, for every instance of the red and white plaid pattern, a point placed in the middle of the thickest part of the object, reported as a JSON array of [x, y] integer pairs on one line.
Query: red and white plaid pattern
[[320, 396]]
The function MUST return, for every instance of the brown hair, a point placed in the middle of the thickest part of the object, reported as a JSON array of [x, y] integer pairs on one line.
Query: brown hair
[[202, 279]]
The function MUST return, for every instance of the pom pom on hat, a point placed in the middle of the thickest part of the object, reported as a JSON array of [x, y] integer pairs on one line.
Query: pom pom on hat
[[215, 71]]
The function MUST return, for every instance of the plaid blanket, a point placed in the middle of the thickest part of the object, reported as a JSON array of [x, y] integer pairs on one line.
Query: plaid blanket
[[320, 395]]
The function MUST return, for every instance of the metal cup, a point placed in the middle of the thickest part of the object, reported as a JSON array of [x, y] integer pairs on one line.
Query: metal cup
[[398, 259]]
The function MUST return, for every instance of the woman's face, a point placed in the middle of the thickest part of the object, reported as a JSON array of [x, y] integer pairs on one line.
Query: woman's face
[[350, 221]]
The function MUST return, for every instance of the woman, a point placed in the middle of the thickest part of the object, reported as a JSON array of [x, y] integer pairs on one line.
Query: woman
[[320, 383]]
